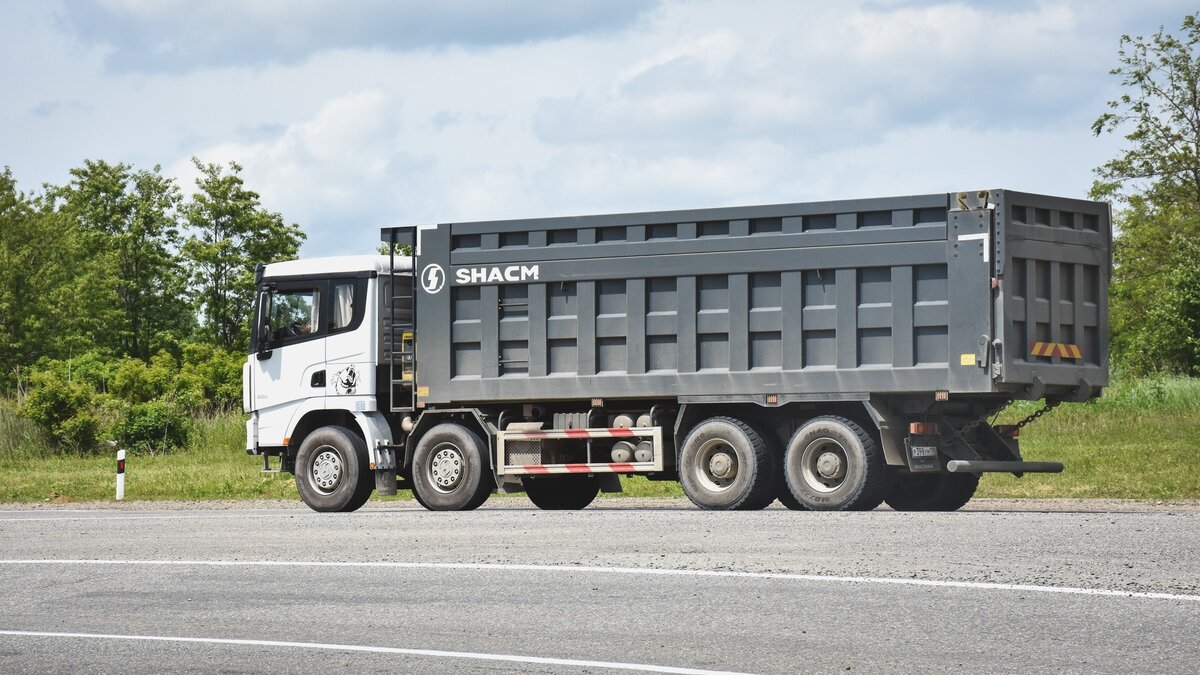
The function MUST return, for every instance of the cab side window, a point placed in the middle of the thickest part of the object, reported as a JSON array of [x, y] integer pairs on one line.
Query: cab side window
[[343, 305], [294, 314]]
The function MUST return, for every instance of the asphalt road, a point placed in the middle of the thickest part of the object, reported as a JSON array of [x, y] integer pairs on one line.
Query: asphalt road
[[510, 589]]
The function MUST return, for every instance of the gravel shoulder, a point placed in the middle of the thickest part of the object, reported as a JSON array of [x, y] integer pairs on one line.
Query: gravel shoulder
[[610, 503]]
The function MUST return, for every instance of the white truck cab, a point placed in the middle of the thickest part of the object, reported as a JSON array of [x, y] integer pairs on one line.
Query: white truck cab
[[316, 347]]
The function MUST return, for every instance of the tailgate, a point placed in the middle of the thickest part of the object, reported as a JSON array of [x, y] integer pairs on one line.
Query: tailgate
[[1054, 260]]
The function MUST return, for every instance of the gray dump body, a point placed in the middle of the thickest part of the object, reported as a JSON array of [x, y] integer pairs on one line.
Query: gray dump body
[[824, 300]]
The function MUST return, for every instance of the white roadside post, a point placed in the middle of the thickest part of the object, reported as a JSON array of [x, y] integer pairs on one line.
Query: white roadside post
[[120, 474]]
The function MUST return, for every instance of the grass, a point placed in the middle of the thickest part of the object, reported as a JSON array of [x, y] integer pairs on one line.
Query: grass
[[213, 466], [1141, 441]]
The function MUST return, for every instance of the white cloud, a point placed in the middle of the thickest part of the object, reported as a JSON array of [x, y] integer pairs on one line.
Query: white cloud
[[346, 167], [680, 105]]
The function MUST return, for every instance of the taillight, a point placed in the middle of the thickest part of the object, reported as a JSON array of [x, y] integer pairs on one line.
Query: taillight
[[923, 429]]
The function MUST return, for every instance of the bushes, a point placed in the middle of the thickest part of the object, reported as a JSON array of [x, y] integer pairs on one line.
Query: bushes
[[210, 377], [63, 408], [152, 427], [145, 406]]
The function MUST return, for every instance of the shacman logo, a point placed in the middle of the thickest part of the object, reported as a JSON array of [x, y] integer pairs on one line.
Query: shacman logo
[[494, 275], [433, 278]]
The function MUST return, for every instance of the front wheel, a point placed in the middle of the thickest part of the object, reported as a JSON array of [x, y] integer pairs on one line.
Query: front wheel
[[331, 470], [450, 469], [561, 493], [833, 464], [932, 491]]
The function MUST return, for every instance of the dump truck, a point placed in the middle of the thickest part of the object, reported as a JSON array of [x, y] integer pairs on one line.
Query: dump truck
[[829, 355]]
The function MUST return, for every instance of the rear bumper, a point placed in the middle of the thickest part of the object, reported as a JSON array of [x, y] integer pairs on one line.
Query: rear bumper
[[989, 466]]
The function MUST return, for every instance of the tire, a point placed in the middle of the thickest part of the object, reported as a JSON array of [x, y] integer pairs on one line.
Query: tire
[[789, 500], [726, 464], [833, 464], [332, 471], [450, 470], [561, 493], [932, 491]]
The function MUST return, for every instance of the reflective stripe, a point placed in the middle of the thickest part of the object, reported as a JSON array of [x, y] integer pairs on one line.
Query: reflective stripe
[[1060, 349]]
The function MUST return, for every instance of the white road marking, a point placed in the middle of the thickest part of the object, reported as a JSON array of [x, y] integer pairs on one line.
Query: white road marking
[[577, 569], [107, 518], [108, 515], [436, 653]]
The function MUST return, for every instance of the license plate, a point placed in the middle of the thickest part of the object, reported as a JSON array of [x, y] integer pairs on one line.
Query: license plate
[[924, 451]]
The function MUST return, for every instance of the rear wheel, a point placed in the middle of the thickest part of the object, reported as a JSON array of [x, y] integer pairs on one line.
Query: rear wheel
[[331, 470], [932, 491], [450, 469], [561, 493], [833, 464], [789, 500], [726, 464]]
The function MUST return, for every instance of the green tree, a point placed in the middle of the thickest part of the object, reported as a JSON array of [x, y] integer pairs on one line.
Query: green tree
[[1155, 182], [130, 220], [15, 213], [231, 233], [52, 292]]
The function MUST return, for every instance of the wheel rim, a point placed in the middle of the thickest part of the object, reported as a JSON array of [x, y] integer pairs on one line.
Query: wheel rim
[[446, 468], [327, 469], [823, 465], [716, 467]]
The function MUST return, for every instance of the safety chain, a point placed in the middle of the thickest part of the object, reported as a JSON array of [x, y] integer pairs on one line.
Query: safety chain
[[985, 417], [1051, 404]]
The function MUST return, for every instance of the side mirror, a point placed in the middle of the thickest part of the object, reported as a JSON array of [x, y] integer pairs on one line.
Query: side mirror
[[264, 342]]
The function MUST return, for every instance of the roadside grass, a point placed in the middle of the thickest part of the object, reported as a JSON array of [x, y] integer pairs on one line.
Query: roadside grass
[[19, 437], [1141, 441], [213, 466]]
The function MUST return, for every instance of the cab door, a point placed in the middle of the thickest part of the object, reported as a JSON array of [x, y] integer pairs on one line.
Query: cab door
[[350, 350], [288, 368]]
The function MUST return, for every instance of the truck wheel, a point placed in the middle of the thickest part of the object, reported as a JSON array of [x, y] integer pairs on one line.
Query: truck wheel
[[331, 470], [725, 464], [561, 493], [932, 491], [833, 464], [450, 469], [789, 500]]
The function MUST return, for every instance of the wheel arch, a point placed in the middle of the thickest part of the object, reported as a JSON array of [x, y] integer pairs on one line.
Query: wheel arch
[[315, 419], [371, 427], [471, 418]]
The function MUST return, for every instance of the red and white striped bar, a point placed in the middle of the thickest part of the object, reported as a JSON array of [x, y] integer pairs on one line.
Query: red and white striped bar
[[615, 432], [611, 467], [654, 434]]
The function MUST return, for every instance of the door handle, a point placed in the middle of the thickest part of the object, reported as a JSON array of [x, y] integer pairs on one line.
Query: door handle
[[318, 379]]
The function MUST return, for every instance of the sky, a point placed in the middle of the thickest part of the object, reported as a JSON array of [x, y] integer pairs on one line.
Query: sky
[[348, 116]]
